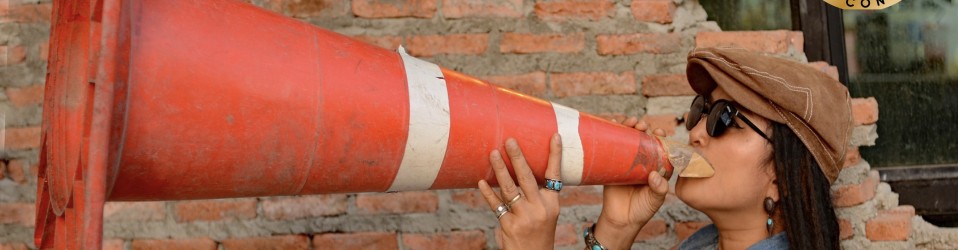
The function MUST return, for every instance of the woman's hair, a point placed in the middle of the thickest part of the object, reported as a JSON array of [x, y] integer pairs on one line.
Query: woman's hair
[[805, 202]]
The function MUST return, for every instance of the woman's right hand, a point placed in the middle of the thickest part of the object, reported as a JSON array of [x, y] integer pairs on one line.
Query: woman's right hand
[[626, 209]]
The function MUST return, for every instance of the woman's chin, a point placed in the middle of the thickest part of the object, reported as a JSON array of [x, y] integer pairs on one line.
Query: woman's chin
[[686, 190]]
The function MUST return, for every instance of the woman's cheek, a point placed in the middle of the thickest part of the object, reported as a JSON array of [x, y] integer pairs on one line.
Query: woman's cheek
[[692, 191]]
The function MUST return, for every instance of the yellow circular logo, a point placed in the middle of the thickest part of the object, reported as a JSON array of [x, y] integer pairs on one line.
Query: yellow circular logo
[[862, 4]]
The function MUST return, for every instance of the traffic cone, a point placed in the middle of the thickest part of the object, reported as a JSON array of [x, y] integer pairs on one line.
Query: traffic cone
[[185, 99]]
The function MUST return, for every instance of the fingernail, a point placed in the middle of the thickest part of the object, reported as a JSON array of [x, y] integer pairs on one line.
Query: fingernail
[[557, 139], [495, 154], [655, 179]]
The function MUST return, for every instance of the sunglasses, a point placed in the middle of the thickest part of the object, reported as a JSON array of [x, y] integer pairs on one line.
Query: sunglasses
[[721, 115]]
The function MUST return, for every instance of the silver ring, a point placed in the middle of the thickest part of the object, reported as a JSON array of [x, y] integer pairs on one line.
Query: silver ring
[[554, 185], [501, 210], [514, 200]]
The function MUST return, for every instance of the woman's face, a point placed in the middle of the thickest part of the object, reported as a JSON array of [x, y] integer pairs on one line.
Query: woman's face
[[743, 170]]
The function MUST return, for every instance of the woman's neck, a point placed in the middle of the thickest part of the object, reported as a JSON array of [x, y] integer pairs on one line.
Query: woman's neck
[[741, 231]]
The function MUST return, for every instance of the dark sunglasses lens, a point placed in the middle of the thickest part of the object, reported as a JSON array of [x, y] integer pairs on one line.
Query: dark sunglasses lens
[[695, 112], [720, 118]]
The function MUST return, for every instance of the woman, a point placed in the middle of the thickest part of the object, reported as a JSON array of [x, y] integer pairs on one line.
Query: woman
[[774, 130]]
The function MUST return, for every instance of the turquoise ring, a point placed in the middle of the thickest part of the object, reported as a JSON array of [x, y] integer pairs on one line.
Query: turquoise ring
[[554, 185]]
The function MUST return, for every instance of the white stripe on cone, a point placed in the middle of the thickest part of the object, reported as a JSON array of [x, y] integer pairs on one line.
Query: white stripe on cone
[[573, 158], [428, 125]]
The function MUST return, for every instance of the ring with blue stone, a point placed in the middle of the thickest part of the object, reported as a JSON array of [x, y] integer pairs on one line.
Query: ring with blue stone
[[554, 185]]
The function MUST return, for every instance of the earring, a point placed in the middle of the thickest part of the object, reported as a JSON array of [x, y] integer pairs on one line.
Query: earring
[[770, 209]]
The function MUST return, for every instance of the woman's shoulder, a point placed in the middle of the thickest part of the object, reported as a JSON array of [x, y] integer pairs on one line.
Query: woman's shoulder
[[704, 238], [707, 238]]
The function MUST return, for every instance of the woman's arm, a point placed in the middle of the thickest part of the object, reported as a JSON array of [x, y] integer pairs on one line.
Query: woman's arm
[[626, 209]]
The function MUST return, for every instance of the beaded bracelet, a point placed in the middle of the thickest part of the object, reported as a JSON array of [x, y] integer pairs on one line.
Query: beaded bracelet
[[590, 242]]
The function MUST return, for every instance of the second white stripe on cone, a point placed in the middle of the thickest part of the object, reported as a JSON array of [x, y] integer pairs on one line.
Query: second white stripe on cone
[[429, 125]]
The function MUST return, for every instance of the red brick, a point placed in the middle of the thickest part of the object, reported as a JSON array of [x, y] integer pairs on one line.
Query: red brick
[[652, 229], [580, 195], [852, 157], [524, 43], [17, 169], [268, 242], [845, 229], [593, 83], [22, 138], [482, 9], [290, 208], [135, 211], [179, 244], [18, 213], [626, 44], [214, 210], [31, 12], [386, 42], [10, 55], [113, 244], [890, 225], [775, 41], [531, 84], [24, 96], [369, 240], [44, 48], [566, 235], [562, 10], [394, 8], [447, 240], [470, 198], [819, 65], [854, 194], [396, 203], [317, 8], [685, 229], [659, 11], [13, 246], [5, 10], [831, 71], [864, 110], [430, 45], [666, 85], [667, 122]]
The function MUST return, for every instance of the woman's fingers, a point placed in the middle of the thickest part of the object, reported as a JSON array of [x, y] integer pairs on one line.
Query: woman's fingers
[[641, 126], [630, 122], [553, 169], [527, 181], [506, 185], [659, 186], [658, 132], [490, 195]]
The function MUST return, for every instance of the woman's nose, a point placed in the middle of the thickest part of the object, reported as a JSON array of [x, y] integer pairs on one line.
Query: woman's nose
[[698, 137]]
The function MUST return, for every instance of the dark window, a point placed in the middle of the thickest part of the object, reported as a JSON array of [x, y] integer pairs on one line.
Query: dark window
[[906, 56]]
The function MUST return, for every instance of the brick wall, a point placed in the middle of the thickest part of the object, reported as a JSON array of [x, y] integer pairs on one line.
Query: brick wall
[[616, 58]]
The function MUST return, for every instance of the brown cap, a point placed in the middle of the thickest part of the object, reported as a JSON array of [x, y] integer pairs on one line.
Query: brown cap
[[815, 106]]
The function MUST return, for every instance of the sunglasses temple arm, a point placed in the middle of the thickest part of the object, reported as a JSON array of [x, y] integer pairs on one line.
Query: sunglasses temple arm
[[752, 125]]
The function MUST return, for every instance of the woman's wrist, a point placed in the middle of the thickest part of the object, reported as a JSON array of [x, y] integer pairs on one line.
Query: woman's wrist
[[615, 235]]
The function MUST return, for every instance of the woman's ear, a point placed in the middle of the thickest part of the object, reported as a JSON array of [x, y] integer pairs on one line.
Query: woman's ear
[[772, 190]]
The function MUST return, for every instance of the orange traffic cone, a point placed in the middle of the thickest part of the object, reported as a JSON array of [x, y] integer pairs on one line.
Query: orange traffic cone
[[184, 99]]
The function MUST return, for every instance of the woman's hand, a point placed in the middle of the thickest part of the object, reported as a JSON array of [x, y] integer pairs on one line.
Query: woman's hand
[[530, 221], [626, 209]]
